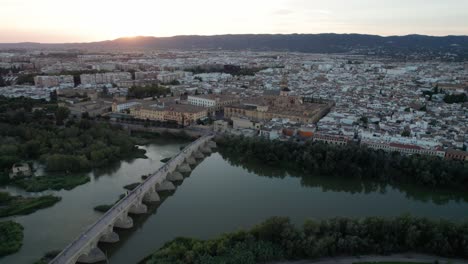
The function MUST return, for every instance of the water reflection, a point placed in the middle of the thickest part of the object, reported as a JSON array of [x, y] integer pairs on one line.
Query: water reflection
[[222, 194], [54, 227], [348, 183]]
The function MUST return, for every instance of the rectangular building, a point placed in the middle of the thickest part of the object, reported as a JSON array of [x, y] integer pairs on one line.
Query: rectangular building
[[63, 81], [181, 114]]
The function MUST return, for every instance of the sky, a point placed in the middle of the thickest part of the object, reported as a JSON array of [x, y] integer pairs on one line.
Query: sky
[[58, 21]]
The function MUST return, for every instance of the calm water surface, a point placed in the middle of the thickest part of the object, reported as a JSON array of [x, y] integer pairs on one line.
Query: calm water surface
[[218, 197]]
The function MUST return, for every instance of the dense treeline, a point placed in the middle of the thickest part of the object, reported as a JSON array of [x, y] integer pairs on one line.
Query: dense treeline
[[229, 69], [148, 91], [439, 196], [72, 147], [25, 79], [351, 161], [455, 98], [11, 237], [76, 147], [277, 239]]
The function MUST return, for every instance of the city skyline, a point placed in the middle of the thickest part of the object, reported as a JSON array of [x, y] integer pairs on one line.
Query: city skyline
[[53, 21]]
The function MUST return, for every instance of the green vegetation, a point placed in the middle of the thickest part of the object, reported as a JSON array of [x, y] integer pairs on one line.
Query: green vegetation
[[448, 98], [148, 91], [25, 79], [49, 256], [166, 159], [384, 262], [5, 71], [144, 138], [131, 186], [2, 82], [455, 98], [277, 239], [18, 205], [39, 184], [11, 237], [229, 69], [75, 147], [103, 208], [434, 90], [351, 161], [174, 82], [406, 133]]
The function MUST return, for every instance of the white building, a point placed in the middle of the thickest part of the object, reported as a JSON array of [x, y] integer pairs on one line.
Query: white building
[[123, 106], [201, 101], [213, 101], [105, 78]]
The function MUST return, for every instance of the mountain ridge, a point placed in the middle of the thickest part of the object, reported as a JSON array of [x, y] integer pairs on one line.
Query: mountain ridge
[[319, 43]]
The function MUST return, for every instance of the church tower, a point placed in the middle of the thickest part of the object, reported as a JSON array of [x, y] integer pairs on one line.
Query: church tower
[[284, 86]]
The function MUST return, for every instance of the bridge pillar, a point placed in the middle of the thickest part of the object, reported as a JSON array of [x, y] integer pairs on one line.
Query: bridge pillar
[[184, 167], [124, 222], [190, 160], [138, 208], [151, 196], [198, 155], [175, 176], [212, 144], [165, 186], [110, 237], [205, 149], [94, 255]]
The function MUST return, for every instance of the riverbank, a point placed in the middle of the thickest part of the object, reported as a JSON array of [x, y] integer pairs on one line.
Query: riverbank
[[350, 161], [277, 239], [51, 182], [18, 205]]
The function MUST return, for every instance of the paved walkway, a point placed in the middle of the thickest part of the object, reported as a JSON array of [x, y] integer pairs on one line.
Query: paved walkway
[[410, 257]]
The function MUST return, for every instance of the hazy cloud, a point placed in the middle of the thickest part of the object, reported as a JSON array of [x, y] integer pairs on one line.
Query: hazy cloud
[[283, 12]]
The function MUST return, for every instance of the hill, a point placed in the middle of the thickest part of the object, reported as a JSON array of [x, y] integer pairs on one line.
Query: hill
[[315, 43]]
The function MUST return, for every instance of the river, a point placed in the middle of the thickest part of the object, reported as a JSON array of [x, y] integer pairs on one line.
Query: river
[[219, 196]]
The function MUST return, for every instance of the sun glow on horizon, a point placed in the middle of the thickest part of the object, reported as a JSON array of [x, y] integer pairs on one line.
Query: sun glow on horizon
[[96, 20]]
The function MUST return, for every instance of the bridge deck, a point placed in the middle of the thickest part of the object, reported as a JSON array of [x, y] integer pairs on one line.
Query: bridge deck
[[74, 249]]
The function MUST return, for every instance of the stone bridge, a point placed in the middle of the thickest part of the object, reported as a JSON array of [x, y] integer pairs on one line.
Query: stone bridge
[[84, 249]]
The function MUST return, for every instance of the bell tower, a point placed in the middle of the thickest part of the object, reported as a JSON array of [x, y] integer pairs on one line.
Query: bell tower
[[284, 86]]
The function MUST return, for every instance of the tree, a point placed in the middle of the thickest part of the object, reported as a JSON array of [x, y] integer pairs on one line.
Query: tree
[[364, 120], [25, 79], [148, 91], [85, 115], [53, 96], [2, 82], [455, 98], [61, 114], [105, 91]]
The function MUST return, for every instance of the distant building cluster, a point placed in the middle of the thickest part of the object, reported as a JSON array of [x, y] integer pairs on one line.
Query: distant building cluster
[[415, 106], [105, 78], [62, 81]]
